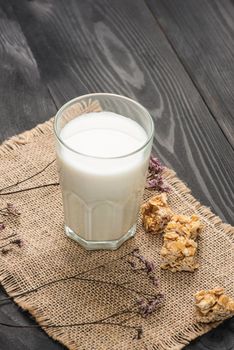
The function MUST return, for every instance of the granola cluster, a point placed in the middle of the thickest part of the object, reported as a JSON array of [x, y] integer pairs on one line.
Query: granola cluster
[[178, 253], [213, 305], [183, 225], [179, 248], [156, 214]]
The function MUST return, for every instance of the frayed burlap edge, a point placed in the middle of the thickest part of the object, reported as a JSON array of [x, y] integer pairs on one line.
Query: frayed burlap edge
[[26, 137], [176, 342]]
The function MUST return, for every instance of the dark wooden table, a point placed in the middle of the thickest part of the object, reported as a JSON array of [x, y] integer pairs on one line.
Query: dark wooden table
[[176, 57]]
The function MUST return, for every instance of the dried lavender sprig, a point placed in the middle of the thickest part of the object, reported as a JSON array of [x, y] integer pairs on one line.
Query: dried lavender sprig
[[155, 280], [155, 179], [155, 166], [149, 265], [147, 306], [157, 183]]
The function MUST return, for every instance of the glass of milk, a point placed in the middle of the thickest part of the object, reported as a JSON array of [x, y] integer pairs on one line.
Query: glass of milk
[[103, 145]]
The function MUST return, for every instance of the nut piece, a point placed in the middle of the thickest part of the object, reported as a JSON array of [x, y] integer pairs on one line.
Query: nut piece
[[183, 225], [178, 253], [213, 305], [156, 213]]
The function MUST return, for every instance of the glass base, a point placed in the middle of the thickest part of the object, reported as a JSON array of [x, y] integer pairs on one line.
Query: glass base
[[96, 245]]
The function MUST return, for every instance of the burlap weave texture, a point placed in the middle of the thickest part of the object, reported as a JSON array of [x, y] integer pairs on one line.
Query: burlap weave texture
[[49, 261]]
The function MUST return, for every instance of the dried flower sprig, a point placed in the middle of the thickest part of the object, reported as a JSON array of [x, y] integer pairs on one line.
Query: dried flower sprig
[[143, 306], [28, 178], [147, 266], [155, 180], [155, 166], [147, 306]]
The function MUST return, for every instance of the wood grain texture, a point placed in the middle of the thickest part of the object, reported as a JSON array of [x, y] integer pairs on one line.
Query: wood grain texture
[[24, 101], [92, 46], [202, 34], [117, 46]]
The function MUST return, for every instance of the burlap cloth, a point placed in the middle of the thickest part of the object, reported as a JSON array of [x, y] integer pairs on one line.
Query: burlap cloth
[[48, 258]]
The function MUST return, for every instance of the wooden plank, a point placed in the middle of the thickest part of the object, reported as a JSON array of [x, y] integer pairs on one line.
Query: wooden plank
[[85, 46], [202, 34], [24, 101]]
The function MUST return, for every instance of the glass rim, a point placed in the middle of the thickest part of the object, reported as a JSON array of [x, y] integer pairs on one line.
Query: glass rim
[[76, 99]]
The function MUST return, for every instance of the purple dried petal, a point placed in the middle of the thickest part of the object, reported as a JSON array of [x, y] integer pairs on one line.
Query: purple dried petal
[[149, 265], [142, 306], [157, 183], [2, 226], [152, 183], [153, 304], [140, 301], [137, 255], [155, 280], [155, 166], [142, 258], [147, 307]]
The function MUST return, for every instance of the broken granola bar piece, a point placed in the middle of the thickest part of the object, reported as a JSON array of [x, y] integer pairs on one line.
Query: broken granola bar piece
[[156, 213], [178, 253], [213, 305], [183, 225]]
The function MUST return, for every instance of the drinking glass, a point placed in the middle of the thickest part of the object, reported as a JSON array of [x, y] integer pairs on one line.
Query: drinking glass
[[102, 194]]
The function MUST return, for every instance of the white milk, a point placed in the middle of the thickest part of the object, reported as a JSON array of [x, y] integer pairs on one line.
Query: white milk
[[102, 195]]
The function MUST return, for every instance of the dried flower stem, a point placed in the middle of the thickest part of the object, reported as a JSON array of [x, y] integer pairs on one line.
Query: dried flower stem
[[114, 284], [144, 304], [102, 321], [3, 246], [28, 178], [30, 188], [63, 279], [138, 329], [4, 238]]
